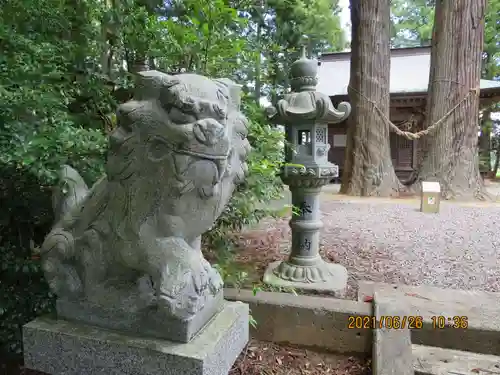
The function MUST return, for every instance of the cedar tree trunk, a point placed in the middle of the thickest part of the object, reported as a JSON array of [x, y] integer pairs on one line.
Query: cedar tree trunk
[[368, 169], [451, 156]]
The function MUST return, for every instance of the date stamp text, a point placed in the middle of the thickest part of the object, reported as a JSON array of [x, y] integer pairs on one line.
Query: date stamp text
[[385, 321], [406, 322]]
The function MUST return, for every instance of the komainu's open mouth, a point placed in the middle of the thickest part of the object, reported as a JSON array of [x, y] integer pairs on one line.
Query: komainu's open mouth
[[202, 155], [195, 167]]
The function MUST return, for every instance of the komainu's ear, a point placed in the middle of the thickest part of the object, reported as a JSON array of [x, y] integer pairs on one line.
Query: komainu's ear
[[149, 84], [225, 81], [234, 91]]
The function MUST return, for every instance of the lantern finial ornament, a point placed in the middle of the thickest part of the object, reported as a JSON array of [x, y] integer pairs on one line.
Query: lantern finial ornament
[[303, 73]]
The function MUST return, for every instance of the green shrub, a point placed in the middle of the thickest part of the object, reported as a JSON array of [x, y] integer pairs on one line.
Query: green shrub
[[37, 135], [50, 102]]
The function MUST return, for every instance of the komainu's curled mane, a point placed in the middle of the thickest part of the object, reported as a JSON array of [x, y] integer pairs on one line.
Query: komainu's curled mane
[[174, 159]]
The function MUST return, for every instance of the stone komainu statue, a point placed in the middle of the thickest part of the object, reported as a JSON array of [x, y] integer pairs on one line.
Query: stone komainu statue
[[132, 241]]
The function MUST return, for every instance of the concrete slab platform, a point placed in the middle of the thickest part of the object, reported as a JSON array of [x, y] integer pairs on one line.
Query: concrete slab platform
[[453, 319], [429, 360], [392, 348]]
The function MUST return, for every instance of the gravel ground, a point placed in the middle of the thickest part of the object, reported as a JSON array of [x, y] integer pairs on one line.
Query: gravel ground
[[395, 243]]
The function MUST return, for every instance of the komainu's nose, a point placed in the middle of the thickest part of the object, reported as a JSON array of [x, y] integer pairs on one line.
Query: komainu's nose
[[208, 131]]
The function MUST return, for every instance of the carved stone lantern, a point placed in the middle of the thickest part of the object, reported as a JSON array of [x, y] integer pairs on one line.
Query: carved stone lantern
[[306, 113]]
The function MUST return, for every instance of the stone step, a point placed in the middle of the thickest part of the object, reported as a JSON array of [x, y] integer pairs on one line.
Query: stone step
[[429, 360], [480, 310], [392, 348]]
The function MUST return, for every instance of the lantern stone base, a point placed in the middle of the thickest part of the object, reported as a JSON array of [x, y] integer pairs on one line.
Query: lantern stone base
[[321, 277]]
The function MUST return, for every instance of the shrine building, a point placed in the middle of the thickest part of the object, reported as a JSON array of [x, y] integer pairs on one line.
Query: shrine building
[[409, 79]]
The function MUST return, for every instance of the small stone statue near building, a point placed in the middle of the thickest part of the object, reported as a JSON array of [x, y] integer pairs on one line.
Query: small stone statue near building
[[125, 254]]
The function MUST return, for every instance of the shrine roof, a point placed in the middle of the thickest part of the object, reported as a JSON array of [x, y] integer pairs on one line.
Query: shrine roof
[[409, 72]]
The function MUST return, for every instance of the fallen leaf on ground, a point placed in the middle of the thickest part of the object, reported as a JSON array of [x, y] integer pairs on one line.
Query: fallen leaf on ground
[[417, 296]]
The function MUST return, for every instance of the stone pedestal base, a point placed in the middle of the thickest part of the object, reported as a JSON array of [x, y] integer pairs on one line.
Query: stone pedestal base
[[322, 277], [60, 347], [145, 321]]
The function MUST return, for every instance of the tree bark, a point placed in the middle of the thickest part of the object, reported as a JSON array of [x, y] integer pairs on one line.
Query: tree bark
[[451, 156], [368, 169]]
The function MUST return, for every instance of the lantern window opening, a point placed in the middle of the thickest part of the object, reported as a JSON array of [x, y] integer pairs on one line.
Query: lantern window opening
[[304, 137]]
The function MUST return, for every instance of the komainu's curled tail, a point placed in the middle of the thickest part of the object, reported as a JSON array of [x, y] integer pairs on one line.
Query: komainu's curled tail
[[69, 192], [58, 248]]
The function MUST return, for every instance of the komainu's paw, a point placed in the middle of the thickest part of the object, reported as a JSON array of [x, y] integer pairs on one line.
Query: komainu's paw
[[181, 294], [200, 279], [62, 278], [215, 282], [182, 306]]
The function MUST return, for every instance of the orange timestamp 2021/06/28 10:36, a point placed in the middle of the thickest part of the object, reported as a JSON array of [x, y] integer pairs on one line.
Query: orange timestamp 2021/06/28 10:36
[[406, 321]]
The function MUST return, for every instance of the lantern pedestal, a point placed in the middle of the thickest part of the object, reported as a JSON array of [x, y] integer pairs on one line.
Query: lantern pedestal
[[305, 269]]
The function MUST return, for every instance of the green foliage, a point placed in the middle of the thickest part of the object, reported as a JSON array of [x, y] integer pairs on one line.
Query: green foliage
[[412, 22], [491, 66], [38, 82], [275, 33], [205, 38]]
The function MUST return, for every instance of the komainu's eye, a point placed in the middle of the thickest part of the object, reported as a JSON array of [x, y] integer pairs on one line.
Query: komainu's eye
[[157, 149], [189, 105]]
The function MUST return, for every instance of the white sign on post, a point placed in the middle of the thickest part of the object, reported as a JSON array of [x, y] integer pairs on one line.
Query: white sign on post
[[339, 140]]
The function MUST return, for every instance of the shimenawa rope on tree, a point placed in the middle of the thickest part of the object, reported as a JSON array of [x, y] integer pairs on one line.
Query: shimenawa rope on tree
[[430, 129]]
